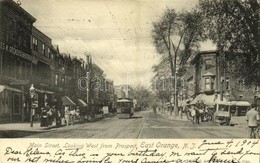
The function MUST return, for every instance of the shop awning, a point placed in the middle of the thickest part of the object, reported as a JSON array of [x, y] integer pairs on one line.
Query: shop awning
[[82, 103], [66, 101], [241, 103], [5, 87], [209, 100]]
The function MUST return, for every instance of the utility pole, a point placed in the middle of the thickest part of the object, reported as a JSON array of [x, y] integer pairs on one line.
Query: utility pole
[[175, 86]]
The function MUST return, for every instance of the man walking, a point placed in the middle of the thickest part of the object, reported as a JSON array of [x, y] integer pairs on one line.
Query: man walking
[[252, 119]]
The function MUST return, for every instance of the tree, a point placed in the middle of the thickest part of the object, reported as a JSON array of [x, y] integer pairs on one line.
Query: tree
[[233, 26], [144, 97], [175, 35]]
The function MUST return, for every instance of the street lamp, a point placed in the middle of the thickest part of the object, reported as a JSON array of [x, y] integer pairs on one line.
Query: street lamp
[[32, 95]]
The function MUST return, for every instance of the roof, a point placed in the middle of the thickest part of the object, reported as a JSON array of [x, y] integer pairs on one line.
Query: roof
[[193, 61], [241, 103]]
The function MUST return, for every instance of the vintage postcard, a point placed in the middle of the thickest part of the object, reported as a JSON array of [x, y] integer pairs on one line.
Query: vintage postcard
[[145, 81]]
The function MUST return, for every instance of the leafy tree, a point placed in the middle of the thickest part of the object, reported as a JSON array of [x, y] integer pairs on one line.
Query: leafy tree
[[175, 36], [233, 26]]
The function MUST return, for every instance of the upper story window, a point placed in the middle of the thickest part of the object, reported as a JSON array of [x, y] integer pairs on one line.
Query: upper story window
[[209, 83], [35, 44], [208, 64], [49, 53], [56, 79], [43, 49], [227, 83], [241, 85]]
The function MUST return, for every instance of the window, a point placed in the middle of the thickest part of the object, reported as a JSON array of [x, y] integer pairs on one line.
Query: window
[[208, 64], [62, 80], [208, 84], [56, 79], [227, 83], [49, 53], [241, 84], [43, 49], [35, 44]]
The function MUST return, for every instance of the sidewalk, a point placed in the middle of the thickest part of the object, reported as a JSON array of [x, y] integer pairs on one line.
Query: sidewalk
[[24, 126], [16, 130]]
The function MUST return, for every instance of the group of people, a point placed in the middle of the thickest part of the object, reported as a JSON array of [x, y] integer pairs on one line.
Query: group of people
[[71, 113], [197, 113], [47, 116]]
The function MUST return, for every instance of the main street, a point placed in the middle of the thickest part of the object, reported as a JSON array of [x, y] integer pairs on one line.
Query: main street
[[145, 125]]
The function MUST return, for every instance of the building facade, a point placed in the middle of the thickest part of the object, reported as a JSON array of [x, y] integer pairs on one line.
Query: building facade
[[215, 82], [16, 61], [43, 69]]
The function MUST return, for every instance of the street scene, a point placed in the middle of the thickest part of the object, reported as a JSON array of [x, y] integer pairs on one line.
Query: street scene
[[129, 70], [143, 125]]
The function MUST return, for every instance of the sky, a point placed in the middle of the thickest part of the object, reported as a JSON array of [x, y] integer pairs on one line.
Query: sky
[[116, 33]]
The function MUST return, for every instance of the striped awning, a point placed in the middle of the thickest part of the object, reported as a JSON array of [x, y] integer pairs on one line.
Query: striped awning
[[66, 101], [82, 103]]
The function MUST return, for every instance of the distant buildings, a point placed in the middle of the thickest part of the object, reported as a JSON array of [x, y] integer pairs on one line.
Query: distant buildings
[[124, 91]]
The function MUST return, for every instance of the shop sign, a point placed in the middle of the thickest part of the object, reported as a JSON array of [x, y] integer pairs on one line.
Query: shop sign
[[15, 51]]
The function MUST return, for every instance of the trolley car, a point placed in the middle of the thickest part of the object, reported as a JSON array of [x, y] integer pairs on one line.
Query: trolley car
[[125, 108]]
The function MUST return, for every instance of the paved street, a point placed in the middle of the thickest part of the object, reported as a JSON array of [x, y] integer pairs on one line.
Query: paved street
[[144, 125]]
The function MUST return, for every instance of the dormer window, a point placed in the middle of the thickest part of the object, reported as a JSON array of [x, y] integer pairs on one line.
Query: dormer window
[[209, 81], [208, 64], [209, 84]]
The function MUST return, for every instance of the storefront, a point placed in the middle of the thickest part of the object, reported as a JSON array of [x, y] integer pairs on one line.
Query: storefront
[[239, 108], [10, 104]]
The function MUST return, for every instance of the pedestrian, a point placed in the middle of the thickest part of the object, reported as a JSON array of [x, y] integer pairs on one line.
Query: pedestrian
[[198, 115], [44, 117], [58, 119], [72, 115], [253, 119], [50, 115], [67, 115], [193, 114]]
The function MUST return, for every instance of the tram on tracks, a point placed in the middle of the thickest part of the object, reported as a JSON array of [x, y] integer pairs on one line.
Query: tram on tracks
[[125, 108]]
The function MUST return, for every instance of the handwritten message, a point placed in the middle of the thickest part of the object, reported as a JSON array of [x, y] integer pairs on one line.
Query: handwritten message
[[129, 151]]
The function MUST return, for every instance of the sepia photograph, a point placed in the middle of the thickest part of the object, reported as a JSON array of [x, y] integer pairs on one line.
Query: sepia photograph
[[129, 69]]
